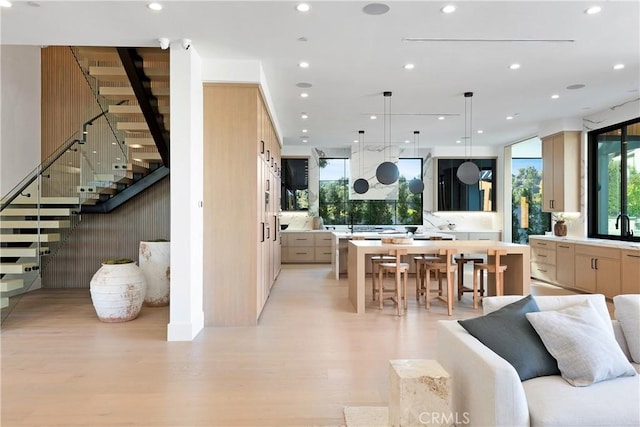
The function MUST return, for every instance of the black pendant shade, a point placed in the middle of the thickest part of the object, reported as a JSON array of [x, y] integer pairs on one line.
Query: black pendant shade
[[387, 173], [416, 186], [361, 186]]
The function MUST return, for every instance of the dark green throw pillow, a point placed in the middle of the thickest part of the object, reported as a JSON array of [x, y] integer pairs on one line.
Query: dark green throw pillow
[[510, 335]]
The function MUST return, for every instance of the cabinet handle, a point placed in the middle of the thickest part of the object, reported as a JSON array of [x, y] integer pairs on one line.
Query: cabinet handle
[[276, 227], [301, 239], [564, 247], [268, 155], [542, 244], [633, 256], [592, 263], [262, 238], [268, 185], [301, 253], [544, 271], [595, 263], [542, 256], [268, 232], [261, 147]]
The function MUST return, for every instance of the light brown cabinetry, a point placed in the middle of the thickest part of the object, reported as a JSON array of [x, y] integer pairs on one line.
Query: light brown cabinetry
[[565, 264], [630, 272], [543, 260], [597, 270], [307, 247], [561, 172], [241, 204]]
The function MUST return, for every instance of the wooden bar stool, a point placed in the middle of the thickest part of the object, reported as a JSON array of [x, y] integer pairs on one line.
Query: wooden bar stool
[[401, 271], [461, 261], [375, 262], [420, 260], [492, 266], [447, 268]]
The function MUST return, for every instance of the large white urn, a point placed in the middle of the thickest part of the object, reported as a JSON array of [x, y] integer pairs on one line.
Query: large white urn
[[155, 263], [117, 291]]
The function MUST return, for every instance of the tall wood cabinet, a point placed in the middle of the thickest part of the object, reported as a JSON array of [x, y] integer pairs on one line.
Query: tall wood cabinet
[[241, 204], [561, 172]]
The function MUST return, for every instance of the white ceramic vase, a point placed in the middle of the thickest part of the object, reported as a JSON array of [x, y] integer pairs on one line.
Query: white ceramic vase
[[155, 263], [117, 292]]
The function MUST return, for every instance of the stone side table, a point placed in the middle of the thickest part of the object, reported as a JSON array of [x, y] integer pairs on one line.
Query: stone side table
[[419, 394]]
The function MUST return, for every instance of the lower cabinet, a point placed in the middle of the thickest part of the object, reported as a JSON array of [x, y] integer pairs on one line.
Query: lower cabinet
[[630, 272], [565, 264], [598, 270], [306, 247]]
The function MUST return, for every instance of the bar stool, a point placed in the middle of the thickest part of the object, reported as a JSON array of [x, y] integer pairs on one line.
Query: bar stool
[[420, 260], [375, 263], [401, 271], [492, 266], [448, 268], [461, 261]]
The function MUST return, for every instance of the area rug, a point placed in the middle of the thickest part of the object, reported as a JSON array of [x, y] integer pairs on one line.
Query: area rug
[[366, 416]]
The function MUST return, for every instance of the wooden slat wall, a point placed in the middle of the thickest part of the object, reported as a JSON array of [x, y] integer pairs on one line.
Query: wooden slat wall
[[99, 237]]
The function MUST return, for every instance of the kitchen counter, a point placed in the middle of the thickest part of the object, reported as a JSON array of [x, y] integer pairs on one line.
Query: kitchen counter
[[595, 242]]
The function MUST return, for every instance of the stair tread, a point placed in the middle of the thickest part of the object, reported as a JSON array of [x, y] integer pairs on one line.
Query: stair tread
[[127, 92], [134, 109], [119, 74], [11, 211], [132, 142], [146, 156], [44, 237], [22, 200], [35, 224], [23, 252], [8, 285], [17, 267]]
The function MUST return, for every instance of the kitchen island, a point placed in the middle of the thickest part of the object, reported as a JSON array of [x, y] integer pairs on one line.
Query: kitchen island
[[517, 260], [340, 241]]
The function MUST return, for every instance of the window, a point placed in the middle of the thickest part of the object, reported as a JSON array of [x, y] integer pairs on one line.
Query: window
[[335, 208], [453, 195], [295, 188], [614, 182]]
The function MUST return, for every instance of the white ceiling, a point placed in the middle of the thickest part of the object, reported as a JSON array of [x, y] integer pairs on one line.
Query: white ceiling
[[354, 57]]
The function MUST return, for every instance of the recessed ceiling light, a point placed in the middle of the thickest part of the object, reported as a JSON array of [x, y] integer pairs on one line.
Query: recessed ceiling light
[[618, 66], [409, 66], [135, 146], [304, 131], [373, 117], [514, 66], [5, 3], [593, 10], [406, 141], [375, 9], [448, 9], [113, 143], [555, 96], [303, 7], [304, 95], [458, 141], [304, 116], [155, 6], [94, 152], [509, 117], [305, 140], [480, 131], [303, 64], [355, 141], [441, 118]]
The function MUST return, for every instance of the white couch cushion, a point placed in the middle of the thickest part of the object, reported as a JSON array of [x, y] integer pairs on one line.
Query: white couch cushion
[[550, 302], [580, 341], [554, 402], [628, 313]]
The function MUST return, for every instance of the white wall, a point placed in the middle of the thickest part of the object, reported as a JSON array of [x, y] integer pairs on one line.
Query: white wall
[[19, 113], [187, 183]]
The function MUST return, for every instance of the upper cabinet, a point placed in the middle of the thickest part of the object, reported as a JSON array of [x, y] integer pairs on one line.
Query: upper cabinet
[[561, 172]]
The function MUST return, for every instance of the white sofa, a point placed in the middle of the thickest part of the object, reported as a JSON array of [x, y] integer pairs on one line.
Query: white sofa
[[487, 391]]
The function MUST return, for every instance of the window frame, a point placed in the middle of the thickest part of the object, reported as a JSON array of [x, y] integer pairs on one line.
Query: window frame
[[592, 180]]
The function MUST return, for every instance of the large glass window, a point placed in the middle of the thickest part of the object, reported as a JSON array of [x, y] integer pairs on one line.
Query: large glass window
[[453, 195], [295, 185], [335, 208], [614, 182]]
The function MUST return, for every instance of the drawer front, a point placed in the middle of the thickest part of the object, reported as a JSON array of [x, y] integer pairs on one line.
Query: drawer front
[[323, 239], [300, 239], [284, 239], [301, 254], [598, 251], [323, 254], [543, 244], [484, 235], [547, 256], [544, 272]]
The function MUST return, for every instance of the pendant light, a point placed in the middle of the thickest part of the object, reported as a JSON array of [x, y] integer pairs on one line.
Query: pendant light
[[387, 172], [361, 185], [468, 172], [416, 186]]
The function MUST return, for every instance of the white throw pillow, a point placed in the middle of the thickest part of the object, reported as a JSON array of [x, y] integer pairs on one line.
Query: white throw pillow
[[628, 313], [581, 343]]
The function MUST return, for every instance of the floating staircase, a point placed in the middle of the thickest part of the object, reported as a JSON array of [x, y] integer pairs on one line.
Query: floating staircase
[[87, 174]]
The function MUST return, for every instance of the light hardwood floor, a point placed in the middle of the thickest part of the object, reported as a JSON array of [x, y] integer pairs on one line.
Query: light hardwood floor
[[309, 357]]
